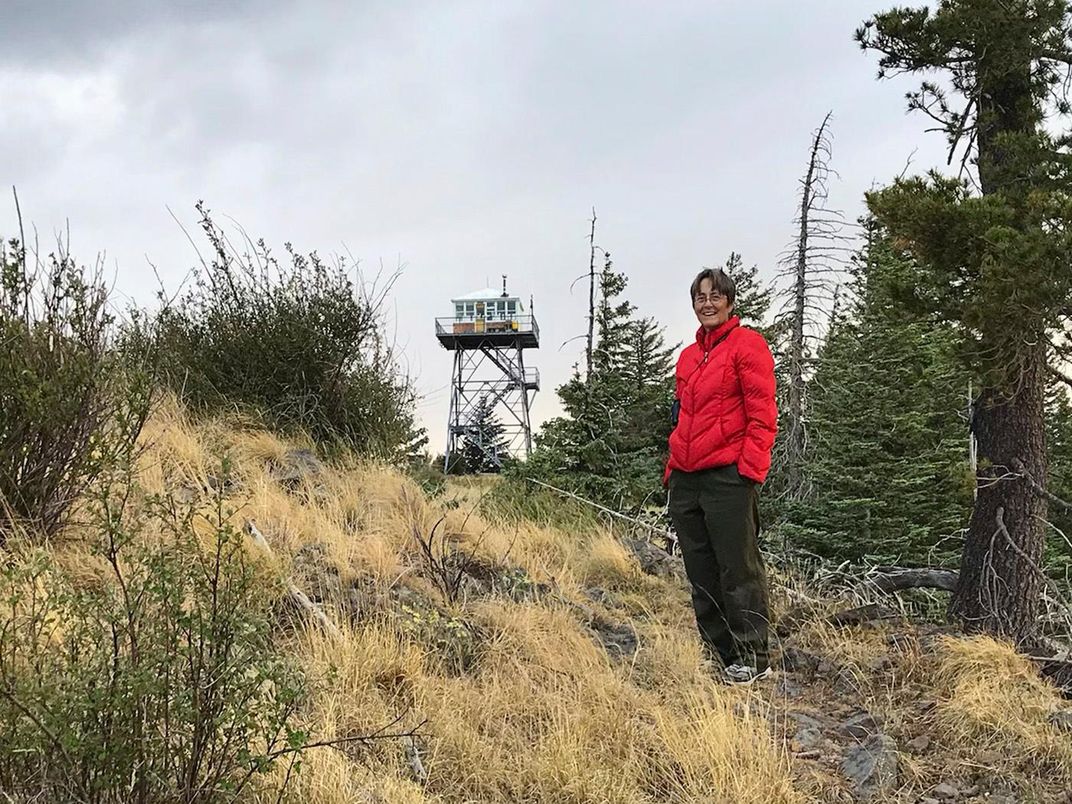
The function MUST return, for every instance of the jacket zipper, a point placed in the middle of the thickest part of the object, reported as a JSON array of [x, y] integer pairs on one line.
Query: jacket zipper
[[692, 390]]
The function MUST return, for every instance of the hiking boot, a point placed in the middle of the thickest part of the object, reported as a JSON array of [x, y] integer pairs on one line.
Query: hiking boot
[[745, 674]]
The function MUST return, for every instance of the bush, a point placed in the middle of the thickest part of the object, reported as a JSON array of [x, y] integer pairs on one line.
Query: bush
[[514, 499], [428, 474], [296, 343], [72, 405], [154, 680]]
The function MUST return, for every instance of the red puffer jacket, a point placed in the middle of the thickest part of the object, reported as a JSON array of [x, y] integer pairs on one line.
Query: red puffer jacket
[[725, 386]]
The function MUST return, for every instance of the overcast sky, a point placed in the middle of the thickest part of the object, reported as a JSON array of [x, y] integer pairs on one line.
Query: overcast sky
[[463, 140]]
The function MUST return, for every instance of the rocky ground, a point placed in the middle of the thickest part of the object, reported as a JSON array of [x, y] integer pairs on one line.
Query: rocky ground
[[546, 665]]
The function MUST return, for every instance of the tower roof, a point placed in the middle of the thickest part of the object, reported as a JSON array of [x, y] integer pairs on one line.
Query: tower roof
[[482, 295]]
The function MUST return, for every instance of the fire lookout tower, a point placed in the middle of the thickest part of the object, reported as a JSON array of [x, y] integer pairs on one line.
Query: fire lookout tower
[[489, 334]]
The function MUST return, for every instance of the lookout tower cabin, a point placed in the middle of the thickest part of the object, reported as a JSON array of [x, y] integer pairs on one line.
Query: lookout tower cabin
[[489, 333]]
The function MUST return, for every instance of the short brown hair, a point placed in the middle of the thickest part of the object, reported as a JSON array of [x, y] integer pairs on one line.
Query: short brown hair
[[720, 281]]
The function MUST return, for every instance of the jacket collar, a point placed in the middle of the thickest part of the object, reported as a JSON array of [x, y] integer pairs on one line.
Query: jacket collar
[[708, 338]]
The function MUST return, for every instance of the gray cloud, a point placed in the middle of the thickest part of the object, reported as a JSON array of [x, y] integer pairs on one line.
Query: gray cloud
[[467, 139], [51, 32]]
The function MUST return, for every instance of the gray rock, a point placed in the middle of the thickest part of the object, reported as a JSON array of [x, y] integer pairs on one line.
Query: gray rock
[[805, 721], [654, 560], [920, 744], [807, 739], [1061, 719], [945, 792], [297, 466], [796, 660], [872, 767], [619, 640], [861, 726]]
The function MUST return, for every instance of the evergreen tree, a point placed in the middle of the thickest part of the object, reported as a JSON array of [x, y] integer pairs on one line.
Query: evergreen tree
[[610, 444], [483, 446], [649, 375], [1059, 451], [753, 296], [889, 451], [992, 263]]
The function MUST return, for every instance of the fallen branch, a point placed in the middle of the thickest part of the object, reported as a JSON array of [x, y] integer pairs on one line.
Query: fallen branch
[[861, 614], [670, 537], [299, 597], [896, 579], [362, 739]]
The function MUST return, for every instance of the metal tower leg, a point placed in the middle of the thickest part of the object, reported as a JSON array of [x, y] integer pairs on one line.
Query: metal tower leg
[[524, 401], [453, 422]]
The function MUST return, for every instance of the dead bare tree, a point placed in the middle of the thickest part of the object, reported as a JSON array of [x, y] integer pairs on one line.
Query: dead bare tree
[[591, 295], [810, 272]]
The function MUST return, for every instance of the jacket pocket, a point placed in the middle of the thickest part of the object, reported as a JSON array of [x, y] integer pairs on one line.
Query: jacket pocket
[[746, 480]]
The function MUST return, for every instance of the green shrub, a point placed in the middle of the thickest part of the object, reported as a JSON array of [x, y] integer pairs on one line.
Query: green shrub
[[514, 498], [295, 342], [428, 474], [72, 405], [154, 681]]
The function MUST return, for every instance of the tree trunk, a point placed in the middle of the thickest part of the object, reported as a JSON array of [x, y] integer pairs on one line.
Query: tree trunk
[[591, 300], [797, 437], [1000, 574]]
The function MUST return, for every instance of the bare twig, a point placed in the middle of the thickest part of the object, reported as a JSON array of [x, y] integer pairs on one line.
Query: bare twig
[[591, 297], [1031, 563], [364, 739], [296, 594], [413, 757], [609, 511]]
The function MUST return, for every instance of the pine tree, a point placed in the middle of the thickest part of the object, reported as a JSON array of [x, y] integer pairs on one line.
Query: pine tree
[[889, 452], [754, 297], [649, 376], [483, 446], [992, 262], [610, 443], [1059, 455]]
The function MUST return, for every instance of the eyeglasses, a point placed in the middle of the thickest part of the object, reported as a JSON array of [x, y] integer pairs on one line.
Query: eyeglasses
[[701, 298]]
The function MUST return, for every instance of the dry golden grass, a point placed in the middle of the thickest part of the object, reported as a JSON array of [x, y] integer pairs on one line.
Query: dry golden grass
[[545, 714], [542, 714], [993, 698]]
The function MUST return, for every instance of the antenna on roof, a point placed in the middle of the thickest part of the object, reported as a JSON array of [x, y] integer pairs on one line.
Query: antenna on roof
[[505, 294]]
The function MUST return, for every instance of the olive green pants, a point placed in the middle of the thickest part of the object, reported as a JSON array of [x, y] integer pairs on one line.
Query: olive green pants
[[716, 515]]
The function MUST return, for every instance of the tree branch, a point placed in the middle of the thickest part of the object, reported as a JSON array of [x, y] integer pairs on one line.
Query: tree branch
[[1059, 375], [897, 579]]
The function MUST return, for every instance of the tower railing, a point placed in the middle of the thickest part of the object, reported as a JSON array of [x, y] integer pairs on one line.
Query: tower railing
[[452, 325]]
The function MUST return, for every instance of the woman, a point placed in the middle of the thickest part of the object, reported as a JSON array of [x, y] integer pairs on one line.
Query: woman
[[720, 448]]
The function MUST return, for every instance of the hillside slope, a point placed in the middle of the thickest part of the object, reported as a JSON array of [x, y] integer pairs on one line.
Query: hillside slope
[[534, 663]]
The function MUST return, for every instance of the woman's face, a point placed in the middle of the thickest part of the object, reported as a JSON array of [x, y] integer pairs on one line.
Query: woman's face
[[710, 306]]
